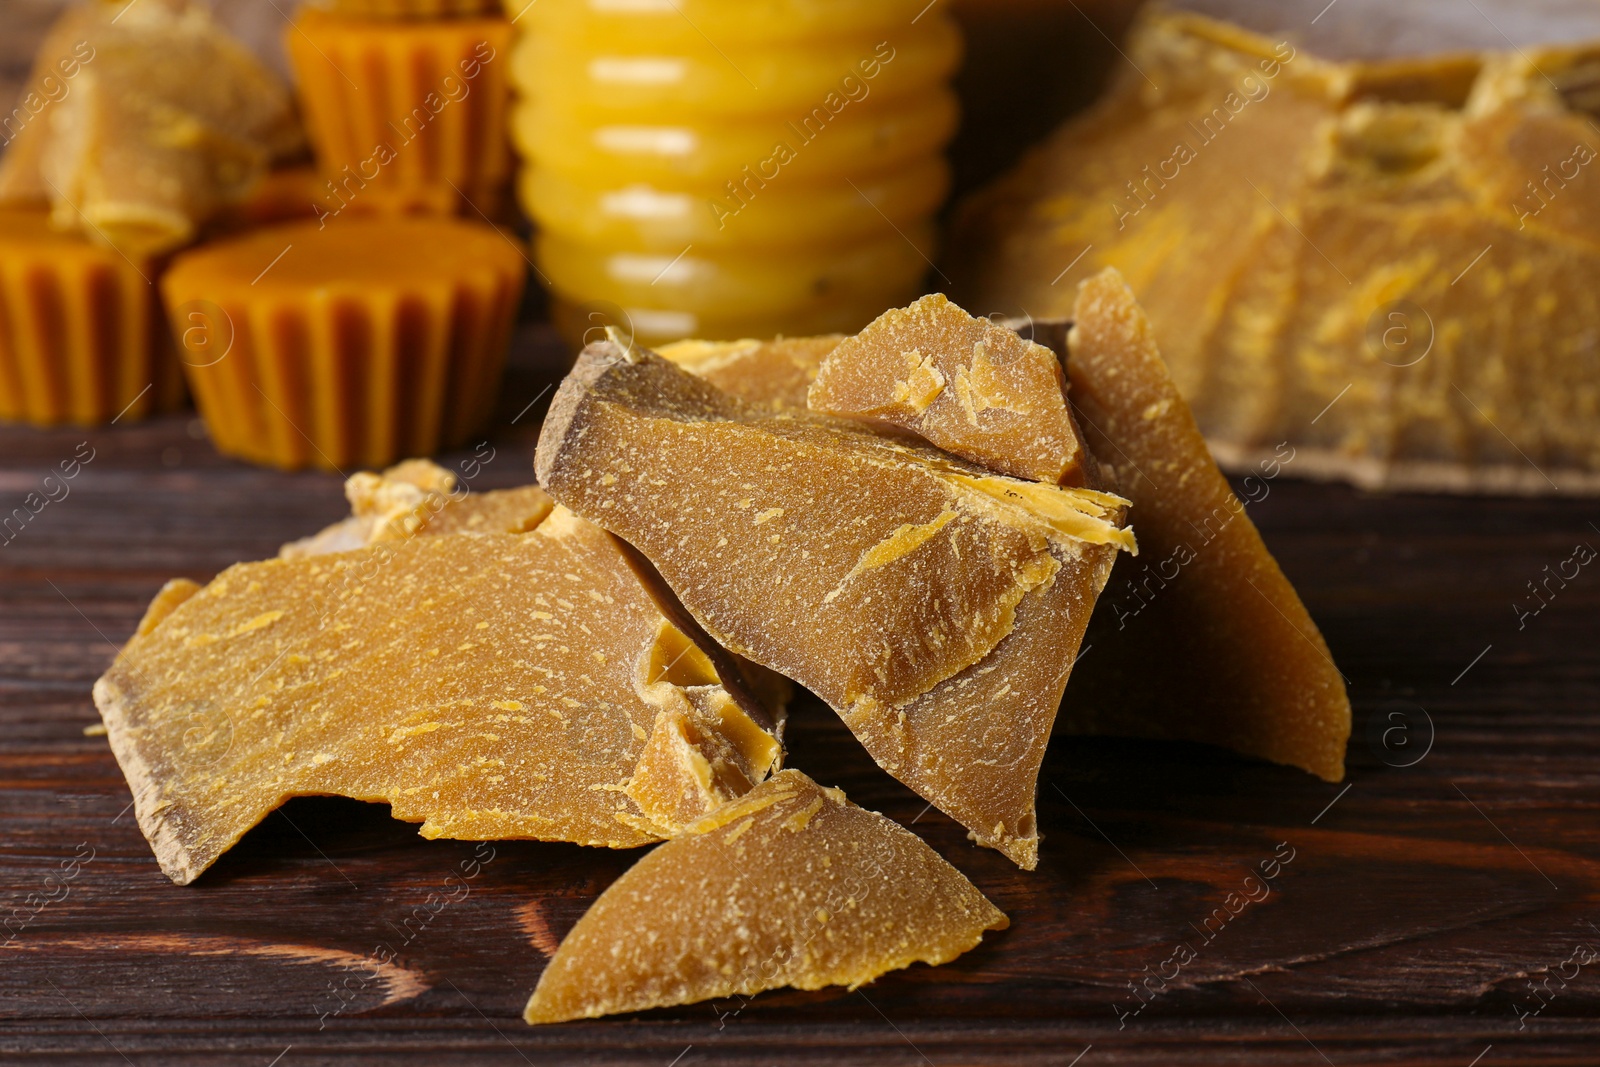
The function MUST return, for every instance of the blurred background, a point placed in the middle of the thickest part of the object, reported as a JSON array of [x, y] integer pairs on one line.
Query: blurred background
[[1369, 231], [1052, 54]]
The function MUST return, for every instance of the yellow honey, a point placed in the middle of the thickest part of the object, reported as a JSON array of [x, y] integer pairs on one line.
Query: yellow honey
[[714, 168]]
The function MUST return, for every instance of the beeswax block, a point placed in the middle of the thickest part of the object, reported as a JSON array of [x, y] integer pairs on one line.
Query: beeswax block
[[1396, 208], [82, 336], [791, 885], [968, 385], [486, 685], [1207, 641], [349, 345], [883, 576], [1209, 687], [418, 497], [402, 104]]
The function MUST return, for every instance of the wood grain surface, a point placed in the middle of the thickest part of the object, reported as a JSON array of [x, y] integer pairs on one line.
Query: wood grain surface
[[1435, 909]]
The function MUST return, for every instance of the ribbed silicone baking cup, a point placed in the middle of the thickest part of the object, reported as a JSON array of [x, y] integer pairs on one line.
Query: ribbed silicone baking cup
[[405, 103], [82, 337], [352, 344]]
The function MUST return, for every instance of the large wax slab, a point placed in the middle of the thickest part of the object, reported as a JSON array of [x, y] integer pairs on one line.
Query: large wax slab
[[1204, 638], [486, 685], [888, 578], [1389, 205]]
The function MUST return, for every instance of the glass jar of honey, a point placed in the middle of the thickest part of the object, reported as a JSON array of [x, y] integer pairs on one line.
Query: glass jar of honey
[[732, 168]]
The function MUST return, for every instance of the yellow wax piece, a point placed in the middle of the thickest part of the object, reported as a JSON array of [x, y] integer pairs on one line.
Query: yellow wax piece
[[488, 686], [970, 386], [405, 103], [157, 121], [82, 338], [351, 344], [936, 607], [791, 885]]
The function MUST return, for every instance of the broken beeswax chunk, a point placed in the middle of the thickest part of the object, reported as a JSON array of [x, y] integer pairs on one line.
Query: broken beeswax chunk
[[141, 122], [974, 388], [415, 497], [486, 685], [973, 743], [885, 577], [1205, 691], [1391, 147], [791, 885], [168, 598], [1207, 641], [772, 374]]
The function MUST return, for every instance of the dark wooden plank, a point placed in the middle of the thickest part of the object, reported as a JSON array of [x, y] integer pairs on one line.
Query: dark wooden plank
[[1406, 929]]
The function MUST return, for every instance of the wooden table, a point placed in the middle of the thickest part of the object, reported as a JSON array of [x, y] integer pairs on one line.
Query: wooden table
[[1420, 906]]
